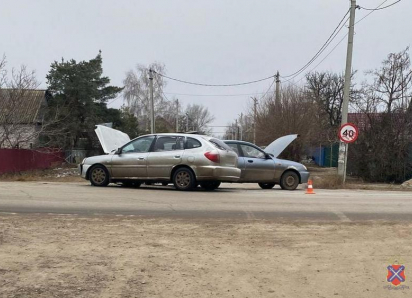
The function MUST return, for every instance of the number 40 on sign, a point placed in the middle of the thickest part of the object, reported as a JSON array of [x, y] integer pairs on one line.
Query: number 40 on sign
[[348, 133]]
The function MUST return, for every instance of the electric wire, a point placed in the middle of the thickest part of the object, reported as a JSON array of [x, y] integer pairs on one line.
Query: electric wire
[[213, 85], [334, 48], [380, 8], [324, 46], [267, 91], [293, 75], [371, 12], [113, 100], [215, 95]]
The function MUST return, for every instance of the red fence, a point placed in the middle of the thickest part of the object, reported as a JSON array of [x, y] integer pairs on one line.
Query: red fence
[[16, 160]]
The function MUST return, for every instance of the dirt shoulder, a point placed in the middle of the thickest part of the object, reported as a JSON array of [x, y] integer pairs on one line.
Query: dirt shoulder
[[73, 256]]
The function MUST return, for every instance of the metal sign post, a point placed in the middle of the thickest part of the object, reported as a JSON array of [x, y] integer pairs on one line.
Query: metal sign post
[[348, 133]]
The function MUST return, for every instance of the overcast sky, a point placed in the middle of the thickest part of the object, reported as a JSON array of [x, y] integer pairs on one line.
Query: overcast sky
[[207, 41]]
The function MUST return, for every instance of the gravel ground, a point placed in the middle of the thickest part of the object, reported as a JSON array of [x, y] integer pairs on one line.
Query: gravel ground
[[128, 256]]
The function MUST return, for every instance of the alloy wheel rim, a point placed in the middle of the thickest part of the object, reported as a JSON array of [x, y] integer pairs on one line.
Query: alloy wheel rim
[[183, 179], [98, 175]]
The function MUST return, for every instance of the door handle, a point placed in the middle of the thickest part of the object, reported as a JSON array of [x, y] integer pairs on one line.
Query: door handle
[[140, 158], [177, 156], [250, 161]]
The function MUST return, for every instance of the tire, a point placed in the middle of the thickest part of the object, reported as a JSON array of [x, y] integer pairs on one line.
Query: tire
[[266, 185], [289, 180], [184, 179], [99, 176], [210, 185]]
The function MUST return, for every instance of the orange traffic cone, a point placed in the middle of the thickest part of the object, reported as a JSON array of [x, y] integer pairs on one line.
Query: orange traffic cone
[[309, 190]]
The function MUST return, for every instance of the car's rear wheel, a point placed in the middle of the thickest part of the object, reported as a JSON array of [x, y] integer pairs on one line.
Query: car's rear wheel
[[266, 185], [289, 180], [184, 179], [99, 176], [210, 185]]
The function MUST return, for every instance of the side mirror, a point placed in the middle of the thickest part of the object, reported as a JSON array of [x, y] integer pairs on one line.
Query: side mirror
[[118, 151], [268, 156]]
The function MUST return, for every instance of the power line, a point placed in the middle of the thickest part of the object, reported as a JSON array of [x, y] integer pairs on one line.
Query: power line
[[377, 8], [380, 8], [215, 95], [333, 49], [214, 85], [270, 87], [112, 101], [324, 46]]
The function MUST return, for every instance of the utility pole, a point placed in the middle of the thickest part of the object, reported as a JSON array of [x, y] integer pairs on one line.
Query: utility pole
[[236, 130], [277, 98], [152, 112], [177, 115], [254, 118], [241, 126], [343, 148], [187, 122]]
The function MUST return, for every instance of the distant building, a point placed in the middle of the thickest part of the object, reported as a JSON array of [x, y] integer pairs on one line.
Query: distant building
[[22, 115]]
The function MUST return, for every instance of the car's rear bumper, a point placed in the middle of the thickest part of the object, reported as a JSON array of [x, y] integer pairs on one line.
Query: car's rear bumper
[[304, 176], [217, 173]]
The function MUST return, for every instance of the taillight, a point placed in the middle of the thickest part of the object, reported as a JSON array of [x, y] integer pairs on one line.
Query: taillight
[[212, 156]]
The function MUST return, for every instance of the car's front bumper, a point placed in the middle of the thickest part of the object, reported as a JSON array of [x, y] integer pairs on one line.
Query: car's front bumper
[[83, 170], [304, 176], [217, 173]]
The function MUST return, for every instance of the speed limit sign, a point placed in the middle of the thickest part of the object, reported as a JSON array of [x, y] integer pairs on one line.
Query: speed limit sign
[[348, 133]]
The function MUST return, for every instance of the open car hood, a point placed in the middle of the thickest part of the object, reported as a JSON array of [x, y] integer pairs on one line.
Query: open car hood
[[110, 138], [280, 144]]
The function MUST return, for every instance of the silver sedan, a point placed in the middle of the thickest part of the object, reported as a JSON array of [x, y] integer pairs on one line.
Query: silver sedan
[[263, 166], [186, 160]]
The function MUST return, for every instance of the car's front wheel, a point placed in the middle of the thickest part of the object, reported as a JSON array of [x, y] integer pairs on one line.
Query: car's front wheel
[[210, 185], [99, 176], [184, 179], [266, 185], [289, 180]]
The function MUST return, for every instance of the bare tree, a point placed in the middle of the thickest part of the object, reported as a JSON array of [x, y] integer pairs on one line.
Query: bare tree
[[385, 118], [198, 118], [136, 93], [392, 82]]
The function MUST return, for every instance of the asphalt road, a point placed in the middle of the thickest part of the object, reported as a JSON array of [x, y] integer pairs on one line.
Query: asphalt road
[[230, 201]]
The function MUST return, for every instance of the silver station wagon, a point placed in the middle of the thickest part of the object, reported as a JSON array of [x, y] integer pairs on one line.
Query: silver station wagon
[[186, 160]]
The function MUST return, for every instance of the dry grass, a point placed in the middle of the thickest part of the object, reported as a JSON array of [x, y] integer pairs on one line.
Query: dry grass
[[328, 182], [63, 173], [327, 178]]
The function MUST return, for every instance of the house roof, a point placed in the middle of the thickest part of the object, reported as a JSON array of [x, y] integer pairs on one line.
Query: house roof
[[22, 106]]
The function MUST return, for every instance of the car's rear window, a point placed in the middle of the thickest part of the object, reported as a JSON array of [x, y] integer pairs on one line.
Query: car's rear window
[[220, 145]]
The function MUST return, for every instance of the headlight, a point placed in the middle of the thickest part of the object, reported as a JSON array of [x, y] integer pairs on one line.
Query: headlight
[[305, 167], [83, 161]]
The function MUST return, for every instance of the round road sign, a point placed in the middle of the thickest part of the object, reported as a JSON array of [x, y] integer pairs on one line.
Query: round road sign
[[348, 133]]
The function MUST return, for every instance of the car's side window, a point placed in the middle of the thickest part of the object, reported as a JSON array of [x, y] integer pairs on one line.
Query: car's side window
[[249, 151], [234, 147], [168, 143], [139, 145], [192, 143]]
